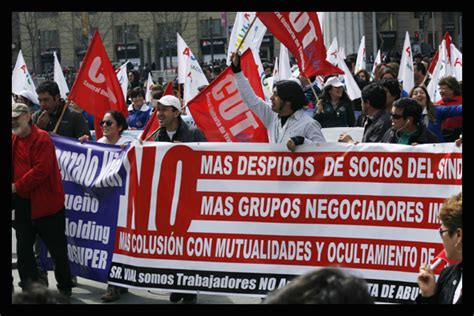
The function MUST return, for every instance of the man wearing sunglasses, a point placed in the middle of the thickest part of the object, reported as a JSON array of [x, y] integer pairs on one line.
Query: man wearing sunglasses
[[407, 127]]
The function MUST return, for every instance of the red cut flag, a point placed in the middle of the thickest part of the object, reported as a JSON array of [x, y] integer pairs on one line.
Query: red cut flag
[[222, 115], [96, 88], [250, 69], [301, 33], [153, 124]]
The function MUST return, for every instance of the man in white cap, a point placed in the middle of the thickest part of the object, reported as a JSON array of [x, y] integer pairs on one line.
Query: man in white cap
[[174, 129], [38, 199]]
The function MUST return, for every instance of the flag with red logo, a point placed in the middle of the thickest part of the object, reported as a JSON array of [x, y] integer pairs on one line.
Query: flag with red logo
[[301, 33], [220, 112], [153, 124], [96, 88]]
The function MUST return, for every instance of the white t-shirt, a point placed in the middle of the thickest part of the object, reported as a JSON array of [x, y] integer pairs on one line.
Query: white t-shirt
[[123, 140]]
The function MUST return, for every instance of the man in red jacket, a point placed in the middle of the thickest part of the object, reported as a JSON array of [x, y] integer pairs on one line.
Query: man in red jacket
[[38, 197], [451, 94]]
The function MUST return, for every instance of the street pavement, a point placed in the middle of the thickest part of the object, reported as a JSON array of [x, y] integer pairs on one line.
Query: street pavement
[[89, 292]]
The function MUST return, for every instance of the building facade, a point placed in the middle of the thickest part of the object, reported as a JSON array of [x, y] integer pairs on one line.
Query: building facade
[[149, 38]]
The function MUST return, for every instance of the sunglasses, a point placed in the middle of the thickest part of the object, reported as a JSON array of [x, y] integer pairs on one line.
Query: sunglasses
[[107, 122], [442, 231], [396, 116]]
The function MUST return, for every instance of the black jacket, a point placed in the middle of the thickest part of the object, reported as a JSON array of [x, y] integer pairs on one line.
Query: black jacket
[[423, 136], [445, 287], [185, 133], [341, 116], [375, 128]]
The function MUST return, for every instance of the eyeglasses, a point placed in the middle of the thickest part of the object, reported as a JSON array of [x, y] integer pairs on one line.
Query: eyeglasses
[[396, 116], [107, 122], [442, 231]]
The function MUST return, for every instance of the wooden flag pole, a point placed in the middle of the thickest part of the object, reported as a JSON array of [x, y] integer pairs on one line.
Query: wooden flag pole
[[312, 89], [66, 104], [246, 33]]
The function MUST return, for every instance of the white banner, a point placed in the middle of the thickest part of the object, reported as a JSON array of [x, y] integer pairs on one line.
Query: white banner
[[240, 218]]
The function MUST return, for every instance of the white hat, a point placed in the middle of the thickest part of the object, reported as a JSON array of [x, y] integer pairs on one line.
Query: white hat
[[18, 109], [334, 81], [170, 100], [27, 94]]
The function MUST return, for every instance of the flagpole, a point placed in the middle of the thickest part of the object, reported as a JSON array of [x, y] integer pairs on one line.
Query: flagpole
[[312, 88], [66, 104], [246, 33]]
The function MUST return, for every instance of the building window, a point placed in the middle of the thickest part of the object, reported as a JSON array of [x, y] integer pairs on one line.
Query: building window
[[386, 22], [130, 31], [49, 39], [217, 30]]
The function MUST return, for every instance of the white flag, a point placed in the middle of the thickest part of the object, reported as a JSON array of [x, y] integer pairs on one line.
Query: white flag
[[342, 52], [332, 52], [442, 69], [21, 79], [456, 63], [405, 73], [270, 81], [59, 78], [193, 77], [122, 77], [361, 56], [241, 26], [377, 61], [284, 67], [149, 85], [353, 90]]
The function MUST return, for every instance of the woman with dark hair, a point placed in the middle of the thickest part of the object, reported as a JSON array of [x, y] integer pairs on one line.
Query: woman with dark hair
[[448, 288], [334, 106], [433, 115], [113, 124], [323, 286]]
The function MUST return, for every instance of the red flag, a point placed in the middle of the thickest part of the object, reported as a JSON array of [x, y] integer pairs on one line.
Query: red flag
[[153, 124], [443, 261], [434, 61], [96, 88], [169, 88], [250, 69], [222, 115], [301, 33]]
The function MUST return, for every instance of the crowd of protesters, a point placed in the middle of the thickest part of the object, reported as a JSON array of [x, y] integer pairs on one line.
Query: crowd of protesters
[[386, 113]]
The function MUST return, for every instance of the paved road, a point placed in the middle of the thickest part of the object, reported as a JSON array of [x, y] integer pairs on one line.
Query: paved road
[[89, 292]]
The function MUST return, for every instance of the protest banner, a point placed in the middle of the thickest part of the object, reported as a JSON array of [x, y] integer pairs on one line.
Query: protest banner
[[94, 181], [247, 218]]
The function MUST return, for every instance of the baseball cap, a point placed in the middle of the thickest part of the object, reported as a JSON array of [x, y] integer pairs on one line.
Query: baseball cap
[[334, 81], [170, 100], [18, 109]]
